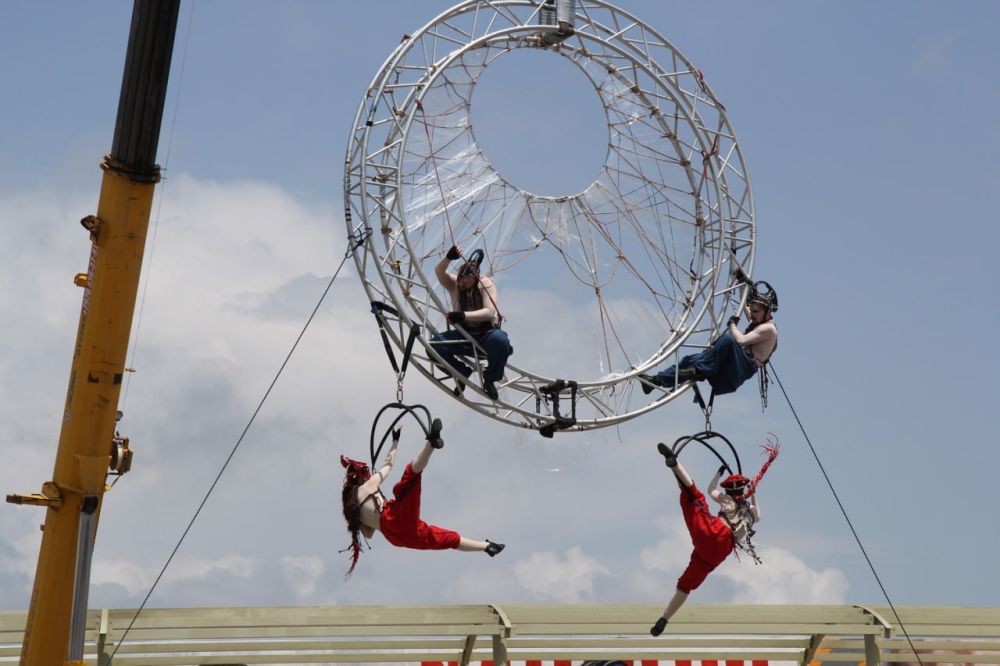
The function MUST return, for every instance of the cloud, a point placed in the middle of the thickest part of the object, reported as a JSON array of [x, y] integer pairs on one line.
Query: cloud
[[235, 270], [303, 573], [783, 579], [568, 579]]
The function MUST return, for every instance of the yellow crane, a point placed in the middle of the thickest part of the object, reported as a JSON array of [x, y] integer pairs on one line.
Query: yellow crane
[[89, 447]]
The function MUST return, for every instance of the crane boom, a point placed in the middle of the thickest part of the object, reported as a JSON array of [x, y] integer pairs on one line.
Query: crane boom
[[87, 447]]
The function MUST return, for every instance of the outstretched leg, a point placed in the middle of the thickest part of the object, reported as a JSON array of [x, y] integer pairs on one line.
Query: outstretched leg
[[683, 478], [675, 603], [419, 464], [474, 546]]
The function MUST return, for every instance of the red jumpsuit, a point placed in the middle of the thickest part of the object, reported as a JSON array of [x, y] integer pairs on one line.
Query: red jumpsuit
[[711, 536], [400, 522]]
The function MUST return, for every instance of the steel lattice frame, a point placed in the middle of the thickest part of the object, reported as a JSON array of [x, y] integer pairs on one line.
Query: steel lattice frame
[[657, 233]]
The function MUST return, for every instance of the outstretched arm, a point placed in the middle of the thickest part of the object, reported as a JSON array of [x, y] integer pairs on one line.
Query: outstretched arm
[[713, 486], [446, 279], [372, 484]]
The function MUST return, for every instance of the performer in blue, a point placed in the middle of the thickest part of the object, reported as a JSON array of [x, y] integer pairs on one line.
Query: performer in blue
[[735, 356], [474, 299]]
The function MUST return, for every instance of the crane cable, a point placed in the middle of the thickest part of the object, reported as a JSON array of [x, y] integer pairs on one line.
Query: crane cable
[[356, 240], [844, 512]]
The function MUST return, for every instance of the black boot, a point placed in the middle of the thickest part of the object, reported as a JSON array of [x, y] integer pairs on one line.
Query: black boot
[[490, 389], [493, 549], [435, 435], [647, 383], [668, 457], [658, 628]]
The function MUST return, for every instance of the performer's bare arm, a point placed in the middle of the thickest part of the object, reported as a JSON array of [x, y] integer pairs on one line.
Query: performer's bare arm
[[713, 487], [446, 279], [766, 332], [372, 484]]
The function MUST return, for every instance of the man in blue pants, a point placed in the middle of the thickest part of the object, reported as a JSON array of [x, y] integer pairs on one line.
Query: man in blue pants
[[474, 303], [734, 357]]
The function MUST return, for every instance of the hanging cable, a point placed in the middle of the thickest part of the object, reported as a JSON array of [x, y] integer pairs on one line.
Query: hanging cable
[[355, 241], [846, 517]]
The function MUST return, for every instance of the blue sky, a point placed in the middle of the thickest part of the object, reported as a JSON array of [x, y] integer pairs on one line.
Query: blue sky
[[871, 138]]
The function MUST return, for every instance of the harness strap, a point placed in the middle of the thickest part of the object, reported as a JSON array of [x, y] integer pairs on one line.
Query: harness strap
[[705, 407], [379, 309]]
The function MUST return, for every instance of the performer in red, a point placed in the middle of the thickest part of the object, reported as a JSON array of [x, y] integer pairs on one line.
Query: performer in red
[[714, 536], [366, 509]]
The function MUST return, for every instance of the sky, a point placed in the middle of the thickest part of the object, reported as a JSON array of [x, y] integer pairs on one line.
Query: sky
[[871, 139]]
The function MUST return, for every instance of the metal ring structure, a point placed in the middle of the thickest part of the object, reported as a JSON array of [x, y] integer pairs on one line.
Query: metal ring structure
[[643, 257]]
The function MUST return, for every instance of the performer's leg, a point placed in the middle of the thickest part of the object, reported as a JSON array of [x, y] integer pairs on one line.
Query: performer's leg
[[496, 344], [683, 478], [675, 603], [450, 344], [419, 463], [471, 545]]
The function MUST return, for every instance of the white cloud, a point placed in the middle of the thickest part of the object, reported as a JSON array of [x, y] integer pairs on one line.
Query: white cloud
[[302, 573], [550, 577], [783, 579]]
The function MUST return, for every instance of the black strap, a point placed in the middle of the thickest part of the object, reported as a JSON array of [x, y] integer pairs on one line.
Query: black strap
[[379, 309], [706, 408]]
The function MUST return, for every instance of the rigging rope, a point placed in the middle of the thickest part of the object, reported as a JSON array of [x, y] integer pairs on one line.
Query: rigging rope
[[846, 517], [356, 240]]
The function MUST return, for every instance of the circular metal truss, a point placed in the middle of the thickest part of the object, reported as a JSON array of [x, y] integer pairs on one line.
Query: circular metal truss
[[643, 258]]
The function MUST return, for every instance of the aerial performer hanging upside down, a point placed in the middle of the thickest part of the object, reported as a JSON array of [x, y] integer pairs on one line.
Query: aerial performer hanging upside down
[[366, 509], [735, 356], [474, 299], [714, 537]]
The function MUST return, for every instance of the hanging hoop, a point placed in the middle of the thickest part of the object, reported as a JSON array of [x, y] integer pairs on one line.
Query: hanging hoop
[[703, 438], [426, 424]]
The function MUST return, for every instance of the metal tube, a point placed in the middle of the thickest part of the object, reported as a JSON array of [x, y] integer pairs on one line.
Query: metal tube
[[81, 588], [566, 13]]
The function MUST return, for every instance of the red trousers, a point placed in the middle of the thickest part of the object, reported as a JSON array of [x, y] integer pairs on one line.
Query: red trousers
[[400, 522], [710, 535]]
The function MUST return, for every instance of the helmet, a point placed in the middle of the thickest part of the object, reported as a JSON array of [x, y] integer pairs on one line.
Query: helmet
[[763, 293], [471, 265]]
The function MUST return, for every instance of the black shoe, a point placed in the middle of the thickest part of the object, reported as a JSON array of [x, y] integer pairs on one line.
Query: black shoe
[[490, 389], [459, 388], [493, 549], [658, 628], [668, 457], [647, 383], [435, 435]]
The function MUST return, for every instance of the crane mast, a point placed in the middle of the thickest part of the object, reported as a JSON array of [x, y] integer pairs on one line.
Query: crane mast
[[89, 448]]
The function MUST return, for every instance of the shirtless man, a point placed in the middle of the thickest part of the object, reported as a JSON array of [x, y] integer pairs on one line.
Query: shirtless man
[[367, 511], [734, 357], [474, 299]]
